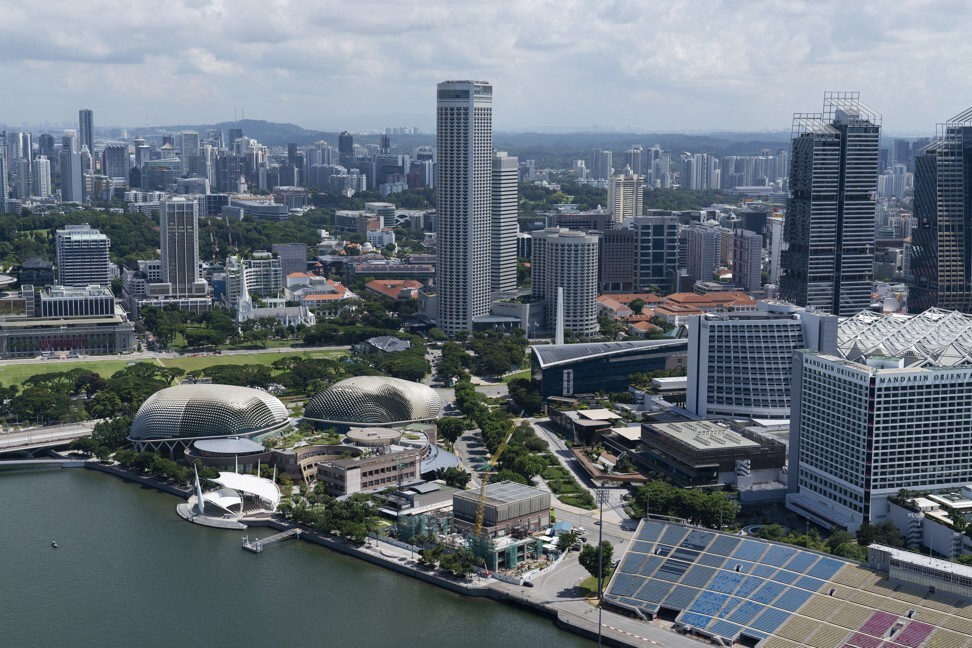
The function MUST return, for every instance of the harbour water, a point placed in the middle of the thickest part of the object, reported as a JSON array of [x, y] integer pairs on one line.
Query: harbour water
[[129, 572]]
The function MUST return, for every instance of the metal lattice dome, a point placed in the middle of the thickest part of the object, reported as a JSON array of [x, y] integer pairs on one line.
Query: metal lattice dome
[[192, 411], [374, 400]]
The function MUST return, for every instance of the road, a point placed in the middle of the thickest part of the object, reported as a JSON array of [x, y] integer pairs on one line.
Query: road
[[614, 509], [167, 355], [558, 588], [39, 436]]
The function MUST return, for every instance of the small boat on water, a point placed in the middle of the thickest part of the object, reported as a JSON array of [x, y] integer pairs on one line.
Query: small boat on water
[[53, 544]]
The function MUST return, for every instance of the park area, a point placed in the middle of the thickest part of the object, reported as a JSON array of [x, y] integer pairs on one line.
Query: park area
[[15, 374]]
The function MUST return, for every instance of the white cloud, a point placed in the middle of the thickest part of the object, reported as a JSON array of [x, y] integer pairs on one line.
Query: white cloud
[[694, 64]]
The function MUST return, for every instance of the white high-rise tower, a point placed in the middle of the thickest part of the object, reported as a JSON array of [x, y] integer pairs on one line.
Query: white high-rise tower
[[506, 176], [464, 196]]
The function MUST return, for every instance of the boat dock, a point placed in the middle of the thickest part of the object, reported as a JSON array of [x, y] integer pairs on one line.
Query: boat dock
[[256, 546]]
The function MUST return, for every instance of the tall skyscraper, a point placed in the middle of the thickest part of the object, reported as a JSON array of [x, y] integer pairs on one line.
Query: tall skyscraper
[[115, 160], [70, 164], [602, 165], [506, 175], [829, 225], [704, 242], [567, 259], [179, 229], [941, 252], [626, 195], [464, 197], [42, 177], [656, 250], [82, 256], [346, 148], [86, 129], [747, 259], [3, 179]]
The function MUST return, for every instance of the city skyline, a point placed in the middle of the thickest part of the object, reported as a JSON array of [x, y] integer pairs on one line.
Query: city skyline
[[685, 68]]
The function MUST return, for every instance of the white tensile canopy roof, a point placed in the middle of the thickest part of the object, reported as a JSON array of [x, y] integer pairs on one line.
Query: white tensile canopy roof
[[224, 498], [265, 489]]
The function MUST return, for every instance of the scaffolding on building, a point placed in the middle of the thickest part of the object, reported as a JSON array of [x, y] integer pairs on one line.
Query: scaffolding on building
[[435, 523]]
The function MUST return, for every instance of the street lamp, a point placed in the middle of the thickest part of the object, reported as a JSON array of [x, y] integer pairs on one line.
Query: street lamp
[[602, 498]]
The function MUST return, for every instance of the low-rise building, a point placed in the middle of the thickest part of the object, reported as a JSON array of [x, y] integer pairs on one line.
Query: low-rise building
[[370, 473], [510, 509], [709, 453], [63, 320], [398, 289]]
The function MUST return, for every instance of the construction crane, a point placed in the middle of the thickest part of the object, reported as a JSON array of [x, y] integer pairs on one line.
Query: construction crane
[[485, 475]]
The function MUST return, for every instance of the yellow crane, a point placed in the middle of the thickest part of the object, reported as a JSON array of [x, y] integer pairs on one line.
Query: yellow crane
[[485, 475]]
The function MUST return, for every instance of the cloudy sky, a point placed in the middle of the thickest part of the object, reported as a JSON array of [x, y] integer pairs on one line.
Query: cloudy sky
[[672, 65]]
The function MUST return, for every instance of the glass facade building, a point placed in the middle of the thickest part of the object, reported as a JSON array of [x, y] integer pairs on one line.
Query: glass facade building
[[830, 215], [941, 252]]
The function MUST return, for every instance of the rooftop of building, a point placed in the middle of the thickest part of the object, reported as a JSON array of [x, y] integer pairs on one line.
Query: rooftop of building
[[934, 338], [504, 492], [395, 288], [704, 435], [549, 355], [928, 562]]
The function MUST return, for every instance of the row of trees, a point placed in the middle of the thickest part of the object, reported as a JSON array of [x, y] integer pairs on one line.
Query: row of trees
[[354, 517], [711, 509], [81, 394]]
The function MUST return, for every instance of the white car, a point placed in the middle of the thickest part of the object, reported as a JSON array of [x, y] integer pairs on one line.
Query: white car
[[580, 530]]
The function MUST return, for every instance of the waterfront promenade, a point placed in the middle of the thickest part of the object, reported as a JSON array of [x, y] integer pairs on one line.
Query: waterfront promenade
[[555, 594]]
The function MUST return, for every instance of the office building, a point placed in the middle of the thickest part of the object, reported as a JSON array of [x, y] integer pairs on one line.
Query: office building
[[941, 252], [862, 431], [739, 363], [3, 177], [656, 250], [115, 160], [86, 129], [346, 148], [82, 256], [567, 259], [70, 166], [464, 172], [42, 177], [506, 176], [830, 214], [22, 179], [704, 250], [602, 165], [626, 195], [293, 257], [179, 230], [747, 259], [776, 247], [617, 267]]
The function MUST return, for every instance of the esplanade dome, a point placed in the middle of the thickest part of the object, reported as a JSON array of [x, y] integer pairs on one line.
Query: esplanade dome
[[207, 410], [374, 400]]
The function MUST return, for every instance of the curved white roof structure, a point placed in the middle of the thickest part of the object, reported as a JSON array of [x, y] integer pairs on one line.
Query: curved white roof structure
[[374, 400], [251, 485], [934, 338], [195, 411]]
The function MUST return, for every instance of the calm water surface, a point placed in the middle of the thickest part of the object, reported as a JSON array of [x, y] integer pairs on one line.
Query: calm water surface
[[129, 572]]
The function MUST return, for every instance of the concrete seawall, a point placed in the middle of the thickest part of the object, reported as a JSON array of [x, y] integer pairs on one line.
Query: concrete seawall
[[568, 622], [144, 480]]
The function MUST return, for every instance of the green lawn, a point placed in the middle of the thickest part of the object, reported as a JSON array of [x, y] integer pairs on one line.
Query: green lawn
[[519, 374], [589, 584], [193, 363], [15, 374]]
